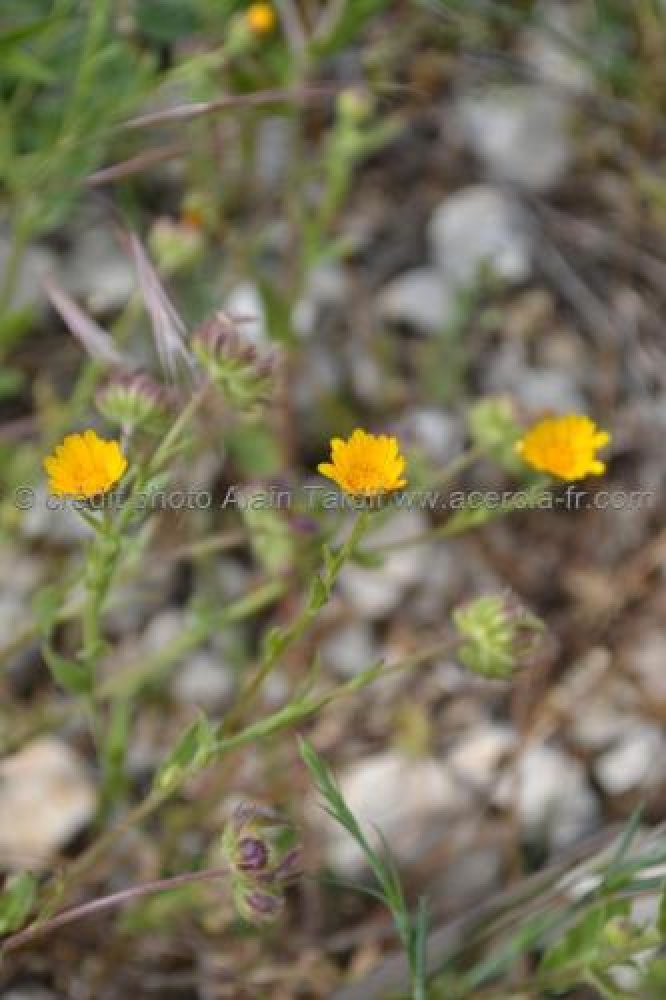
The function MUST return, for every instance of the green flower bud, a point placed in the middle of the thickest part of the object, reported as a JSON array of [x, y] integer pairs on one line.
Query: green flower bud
[[234, 364], [175, 245], [498, 635], [133, 400], [256, 842], [494, 430], [355, 106]]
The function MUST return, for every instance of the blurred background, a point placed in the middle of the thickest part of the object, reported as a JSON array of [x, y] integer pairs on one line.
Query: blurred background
[[419, 205]]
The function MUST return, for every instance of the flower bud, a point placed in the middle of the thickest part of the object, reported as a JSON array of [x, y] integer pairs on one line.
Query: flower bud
[[252, 855], [260, 18], [249, 839], [499, 636], [494, 430], [133, 400], [257, 845], [233, 363], [355, 105], [258, 905], [175, 245]]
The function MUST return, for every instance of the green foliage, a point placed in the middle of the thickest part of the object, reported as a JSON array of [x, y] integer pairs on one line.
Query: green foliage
[[190, 754], [16, 902], [494, 431], [586, 945], [412, 930], [71, 675]]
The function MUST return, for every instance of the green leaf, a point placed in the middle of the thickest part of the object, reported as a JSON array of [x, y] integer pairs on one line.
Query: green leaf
[[192, 752], [166, 20], [14, 325], [17, 901], [21, 64], [275, 641], [8, 39], [270, 537], [661, 918], [584, 945], [46, 604], [70, 675], [11, 383], [319, 594]]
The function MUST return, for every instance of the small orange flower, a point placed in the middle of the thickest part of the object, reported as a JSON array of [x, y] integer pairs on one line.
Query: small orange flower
[[84, 466], [260, 18], [365, 465], [565, 447]]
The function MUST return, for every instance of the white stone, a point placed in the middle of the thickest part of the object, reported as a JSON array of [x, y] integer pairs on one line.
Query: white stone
[[438, 433], [647, 662], [545, 49], [636, 762], [376, 592], [521, 134], [163, 629], [600, 724], [37, 263], [274, 141], [350, 649], [327, 286], [396, 795], [477, 757], [555, 801], [546, 389], [46, 797], [204, 681], [472, 873], [475, 226], [244, 302], [58, 523], [420, 299], [98, 272], [439, 584]]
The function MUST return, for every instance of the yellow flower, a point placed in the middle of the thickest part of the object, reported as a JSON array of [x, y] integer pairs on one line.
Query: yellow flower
[[260, 18], [365, 465], [84, 466], [564, 446]]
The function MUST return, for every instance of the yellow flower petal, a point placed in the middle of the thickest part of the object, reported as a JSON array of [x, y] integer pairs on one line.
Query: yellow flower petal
[[365, 464], [565, 447], [84, 466]]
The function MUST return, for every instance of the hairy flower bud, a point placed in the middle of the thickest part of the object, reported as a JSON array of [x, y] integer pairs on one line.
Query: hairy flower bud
[[175, 244], [258, 846], [498, 635], [494, 430], [133, 400], [235, 365]]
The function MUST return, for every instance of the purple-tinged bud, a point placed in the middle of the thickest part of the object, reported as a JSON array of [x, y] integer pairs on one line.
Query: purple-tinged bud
[[252, 855], [258, 906], [232, 362], [289, 867]]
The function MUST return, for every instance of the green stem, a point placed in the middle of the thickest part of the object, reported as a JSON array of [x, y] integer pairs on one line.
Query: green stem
[[298, 628], [13, 266]]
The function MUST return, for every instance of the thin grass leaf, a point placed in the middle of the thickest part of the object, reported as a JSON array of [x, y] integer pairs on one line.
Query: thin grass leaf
[[167, 325], [184, 111], [94, 340]]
